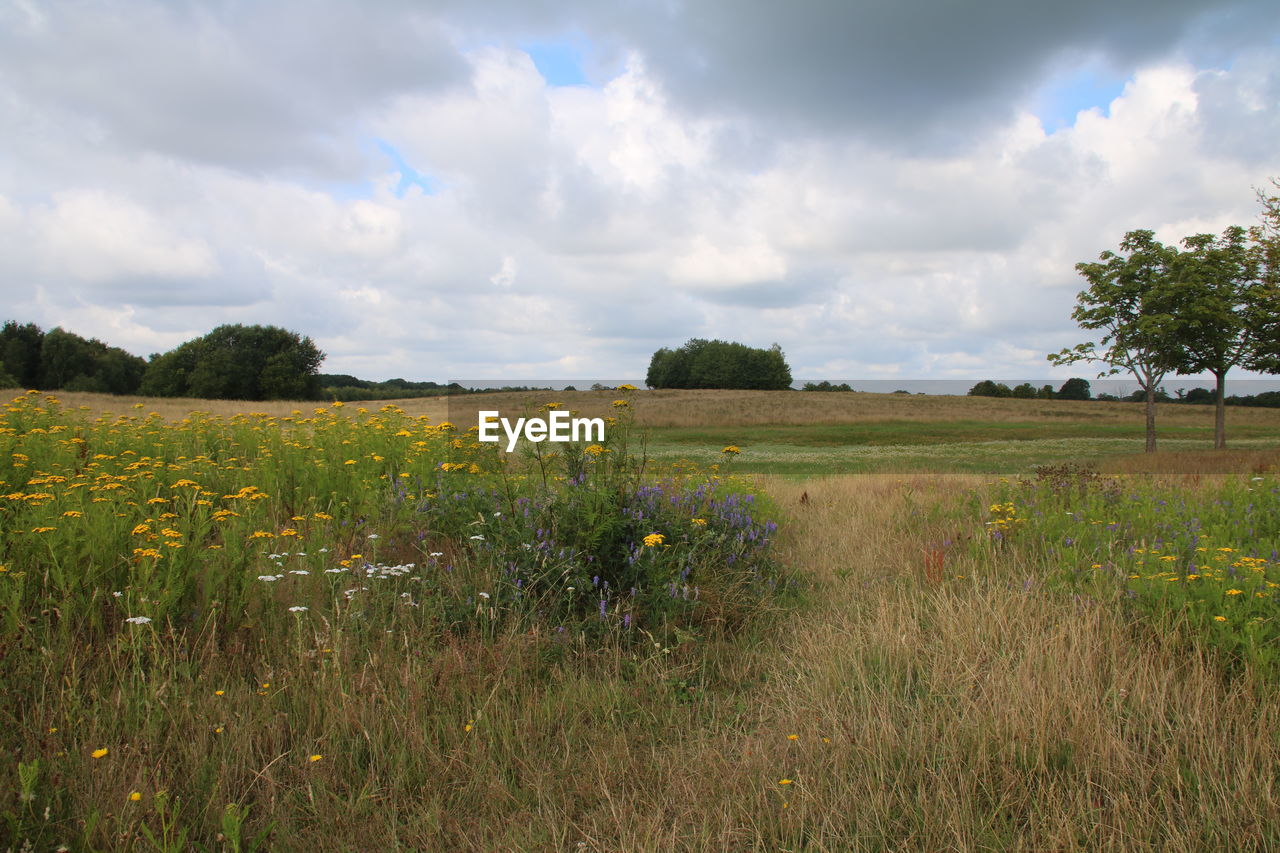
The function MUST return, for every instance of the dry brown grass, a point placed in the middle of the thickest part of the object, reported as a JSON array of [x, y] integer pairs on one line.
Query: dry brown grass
[[970, 714], [716, 408]]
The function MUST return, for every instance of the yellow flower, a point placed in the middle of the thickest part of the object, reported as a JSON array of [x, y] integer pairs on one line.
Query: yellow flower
[[1219, 619], [259, 534], [625, 387], [731, 450], [701, 522], [315, 757], [467, 727], [784, 781], [99, 753], [793, 737], [620, 404], [135, 796], [654, 539], [72, 513], [219, 693], [1233, 592]]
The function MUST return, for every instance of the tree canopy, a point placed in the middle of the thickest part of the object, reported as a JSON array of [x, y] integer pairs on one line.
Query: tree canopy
[[235, 362], [61, 360], [719, 364], [1127, 300]]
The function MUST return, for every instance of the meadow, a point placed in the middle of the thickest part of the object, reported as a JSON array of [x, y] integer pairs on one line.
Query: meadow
[[291, 626]]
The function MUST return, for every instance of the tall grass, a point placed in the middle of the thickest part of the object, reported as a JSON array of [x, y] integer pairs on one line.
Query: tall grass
[[936, 688]]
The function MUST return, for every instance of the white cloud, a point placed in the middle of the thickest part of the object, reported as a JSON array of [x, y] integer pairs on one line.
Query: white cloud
[[573, 230], [96, 237]]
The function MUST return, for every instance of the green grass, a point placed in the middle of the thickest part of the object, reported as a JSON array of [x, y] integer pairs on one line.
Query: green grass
[[1003, 457]]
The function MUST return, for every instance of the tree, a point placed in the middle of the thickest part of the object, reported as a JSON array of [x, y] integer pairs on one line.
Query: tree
[[1025, 391], [236, 362], [990, 388], [20, 352], [719, 364], [1075, 388], [1219, 310], [1122, 300]]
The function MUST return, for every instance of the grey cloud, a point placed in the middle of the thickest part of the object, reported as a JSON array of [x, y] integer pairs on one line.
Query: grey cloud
[[912, 73], [248, 86]]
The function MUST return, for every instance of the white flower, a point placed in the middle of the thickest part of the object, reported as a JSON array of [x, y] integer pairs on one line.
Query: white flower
[[478, 536], [484, 595], [267, 578], [139, 620], [336, 571], [436, 554], [299, 572], [117, 594], [324, 550], [297, 608], [372, 536]]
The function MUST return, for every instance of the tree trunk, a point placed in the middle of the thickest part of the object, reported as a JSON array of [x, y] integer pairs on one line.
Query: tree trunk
[[1220, 413], [1151, 417]]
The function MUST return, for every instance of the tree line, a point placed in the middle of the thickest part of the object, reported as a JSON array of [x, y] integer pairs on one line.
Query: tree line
[[232, 362], [1207, 306]]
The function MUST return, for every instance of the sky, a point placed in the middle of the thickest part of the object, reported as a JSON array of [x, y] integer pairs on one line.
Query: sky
[[557, 188]]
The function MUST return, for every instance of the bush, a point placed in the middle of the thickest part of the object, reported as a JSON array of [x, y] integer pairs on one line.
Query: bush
[[719, 364], [1075, 389], [988, 388]]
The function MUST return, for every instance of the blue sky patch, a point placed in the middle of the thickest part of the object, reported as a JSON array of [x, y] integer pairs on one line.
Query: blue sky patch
[[409, 176], [559, 62], [1064, 95]]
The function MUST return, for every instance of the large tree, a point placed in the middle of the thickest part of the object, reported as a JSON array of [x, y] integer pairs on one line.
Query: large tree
[[236, 362], [719, 364], [1220, 312], [1123, 301]]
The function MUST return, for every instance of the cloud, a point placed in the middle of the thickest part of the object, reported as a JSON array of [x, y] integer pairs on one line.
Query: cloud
[[869, 185]]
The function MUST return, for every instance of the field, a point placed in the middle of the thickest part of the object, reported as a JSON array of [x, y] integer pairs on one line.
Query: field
[[879, 627]]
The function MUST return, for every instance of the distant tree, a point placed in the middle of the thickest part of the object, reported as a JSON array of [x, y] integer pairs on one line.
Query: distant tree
[[1123, 301], [825, 385], [1074, 388], [990, 388], [719, 364], [1025, 391], [1200, 397], [20, 352], [1046, 392], [1140, 396], [236, 362], [72, 363], [1107, 398], [6, 378]]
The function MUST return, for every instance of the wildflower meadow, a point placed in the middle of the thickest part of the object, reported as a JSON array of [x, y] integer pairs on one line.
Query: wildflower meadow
[[176, 593], [347, 628]]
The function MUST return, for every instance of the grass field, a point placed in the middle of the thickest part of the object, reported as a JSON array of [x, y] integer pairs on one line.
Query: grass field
[[409, 643]]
